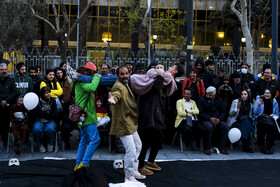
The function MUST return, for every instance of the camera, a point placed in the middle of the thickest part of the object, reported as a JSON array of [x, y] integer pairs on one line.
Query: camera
[[225, 86], [113, 71]]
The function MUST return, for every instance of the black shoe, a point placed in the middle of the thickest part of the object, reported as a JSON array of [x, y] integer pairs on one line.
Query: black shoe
[[248, 150], [263, 150]]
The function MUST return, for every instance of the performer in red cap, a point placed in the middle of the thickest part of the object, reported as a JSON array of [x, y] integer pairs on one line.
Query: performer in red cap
[[85, 98]]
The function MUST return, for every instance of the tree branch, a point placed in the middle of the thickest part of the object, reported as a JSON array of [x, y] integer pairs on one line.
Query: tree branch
[[232, 6], [81, 16], [41, 18], [56, 15]]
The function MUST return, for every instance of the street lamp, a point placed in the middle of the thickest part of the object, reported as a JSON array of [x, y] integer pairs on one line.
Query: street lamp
[[154, 38], [243, 40]]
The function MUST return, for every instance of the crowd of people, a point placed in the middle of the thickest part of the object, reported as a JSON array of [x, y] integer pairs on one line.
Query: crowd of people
[[141, 108]]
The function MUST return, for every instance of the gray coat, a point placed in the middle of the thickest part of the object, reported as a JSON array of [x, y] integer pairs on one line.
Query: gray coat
[[233, 113]]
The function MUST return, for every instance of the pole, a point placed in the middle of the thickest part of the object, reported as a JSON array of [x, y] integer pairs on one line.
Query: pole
[[77, 51], [189, 35], [274, 58], [150, 30]]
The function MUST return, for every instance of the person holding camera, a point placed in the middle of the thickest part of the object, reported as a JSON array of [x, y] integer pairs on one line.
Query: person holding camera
[[225, 92], [266, 111]]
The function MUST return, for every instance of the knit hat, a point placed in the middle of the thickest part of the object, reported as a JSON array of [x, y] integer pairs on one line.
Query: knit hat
[[226, 77], [20, 96], [194, 70], [91, 66], [235, 75]]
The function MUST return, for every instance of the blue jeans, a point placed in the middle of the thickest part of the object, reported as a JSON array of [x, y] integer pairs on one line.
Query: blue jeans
[[89, 142], [47, 127]]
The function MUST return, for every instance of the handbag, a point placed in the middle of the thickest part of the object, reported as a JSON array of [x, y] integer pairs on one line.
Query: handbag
[[189, 120], [75, 111], [265, 119]]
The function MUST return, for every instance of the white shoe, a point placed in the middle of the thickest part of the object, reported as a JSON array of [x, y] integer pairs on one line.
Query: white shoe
[[138, 175], [130, 178], [42, 148], [50, 148]]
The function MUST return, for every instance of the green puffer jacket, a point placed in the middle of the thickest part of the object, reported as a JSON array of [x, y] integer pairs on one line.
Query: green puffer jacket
[[82, 92]]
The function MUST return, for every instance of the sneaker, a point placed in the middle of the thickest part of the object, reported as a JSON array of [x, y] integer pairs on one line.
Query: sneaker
[[50, 148], [137, 175], [42, 148], [152, 166], [76, 167], [144, 171], [130, 178]]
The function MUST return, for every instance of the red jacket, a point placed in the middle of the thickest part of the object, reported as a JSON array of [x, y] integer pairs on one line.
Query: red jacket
[[199, 84]]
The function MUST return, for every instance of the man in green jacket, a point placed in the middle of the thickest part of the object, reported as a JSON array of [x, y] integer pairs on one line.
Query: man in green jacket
[[23, 82], [124, 123], [89, 134]]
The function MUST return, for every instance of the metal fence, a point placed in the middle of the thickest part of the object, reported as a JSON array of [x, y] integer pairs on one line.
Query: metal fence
[[50, 57]]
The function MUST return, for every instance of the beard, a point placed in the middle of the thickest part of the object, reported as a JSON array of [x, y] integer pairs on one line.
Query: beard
[[3, 75]]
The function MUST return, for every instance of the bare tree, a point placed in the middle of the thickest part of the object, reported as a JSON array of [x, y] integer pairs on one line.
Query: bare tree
[[242, 16], [62, 29]]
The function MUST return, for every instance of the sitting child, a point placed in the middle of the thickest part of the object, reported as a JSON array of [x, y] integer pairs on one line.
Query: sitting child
[[101, 112], [18, 118]]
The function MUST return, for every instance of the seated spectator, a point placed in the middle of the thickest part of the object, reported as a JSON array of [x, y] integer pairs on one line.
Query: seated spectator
[[36, 79], [266, 111], [220, 78], [211, 115], [240, 116], [186, 120], [195, 83], [18, 118], [104, 70], [203, 74], [101, 112], [140, 69], [23, 82], [268, 80], [236, 85], [46, 113], [63, 81], [265, 66], [50, 81], [225, 92]]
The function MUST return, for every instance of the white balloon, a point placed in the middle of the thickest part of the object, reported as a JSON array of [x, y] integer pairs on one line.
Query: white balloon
[[234, 135], [30, 101]]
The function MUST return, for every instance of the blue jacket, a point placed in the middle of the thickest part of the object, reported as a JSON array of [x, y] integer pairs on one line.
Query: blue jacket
[[258, 110], [105, 80]]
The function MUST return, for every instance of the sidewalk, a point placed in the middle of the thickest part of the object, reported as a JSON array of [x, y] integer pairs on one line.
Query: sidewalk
[[168, 153]]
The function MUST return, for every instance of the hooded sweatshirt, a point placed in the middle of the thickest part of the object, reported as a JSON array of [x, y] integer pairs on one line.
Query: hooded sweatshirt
[[23, 84]]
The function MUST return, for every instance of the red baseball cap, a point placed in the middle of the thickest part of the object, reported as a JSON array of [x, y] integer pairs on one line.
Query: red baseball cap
[[91, 66]]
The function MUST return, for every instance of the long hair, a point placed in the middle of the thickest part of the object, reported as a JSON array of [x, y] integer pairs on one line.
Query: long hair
[[48, 82]]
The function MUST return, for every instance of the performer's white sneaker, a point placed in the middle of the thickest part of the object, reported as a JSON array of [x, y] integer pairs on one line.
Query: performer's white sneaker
[[137, 175], [130, 178]]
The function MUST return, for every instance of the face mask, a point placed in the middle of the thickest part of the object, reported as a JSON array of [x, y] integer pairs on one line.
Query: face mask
[[244, 71]]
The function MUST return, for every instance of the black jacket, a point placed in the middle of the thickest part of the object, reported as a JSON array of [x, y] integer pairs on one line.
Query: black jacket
[[214, 109], [150, 107], [49, 115], [8, 90], [261, 84]]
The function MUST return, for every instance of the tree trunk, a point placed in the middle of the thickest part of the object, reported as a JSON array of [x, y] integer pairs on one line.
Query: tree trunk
[[242, 15], [62, 44], [135, 33], [82, 28], [44, 27]]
